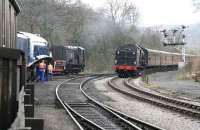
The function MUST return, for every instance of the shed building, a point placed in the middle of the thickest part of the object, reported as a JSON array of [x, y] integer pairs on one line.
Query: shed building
[[8, 12]]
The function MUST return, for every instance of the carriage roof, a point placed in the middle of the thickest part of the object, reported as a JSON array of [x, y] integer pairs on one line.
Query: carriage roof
[[165, 52], [33, 37], [74, 47], [150, 50]]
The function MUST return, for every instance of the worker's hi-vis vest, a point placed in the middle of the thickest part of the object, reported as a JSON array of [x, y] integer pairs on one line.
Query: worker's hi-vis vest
[[50, 67], [42, 65]]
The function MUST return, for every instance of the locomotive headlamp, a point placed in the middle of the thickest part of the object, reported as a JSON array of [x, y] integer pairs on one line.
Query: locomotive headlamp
[[115, 61], [118, 52]]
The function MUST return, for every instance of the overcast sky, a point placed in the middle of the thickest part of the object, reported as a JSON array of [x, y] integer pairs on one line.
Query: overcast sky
[[160, 12]]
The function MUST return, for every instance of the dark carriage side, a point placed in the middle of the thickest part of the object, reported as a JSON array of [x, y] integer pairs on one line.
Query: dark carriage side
[[75, 59]]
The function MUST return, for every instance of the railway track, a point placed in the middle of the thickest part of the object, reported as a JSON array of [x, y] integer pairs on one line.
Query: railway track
[[141, 124], [84, 112], [169, 103]]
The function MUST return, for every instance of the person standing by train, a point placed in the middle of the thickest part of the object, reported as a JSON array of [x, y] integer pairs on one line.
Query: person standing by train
[[42, 67], [46, 72], [50, 71], [37, 72]]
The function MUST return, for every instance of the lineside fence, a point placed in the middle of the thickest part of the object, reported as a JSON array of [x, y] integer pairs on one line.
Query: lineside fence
[[16, 97]]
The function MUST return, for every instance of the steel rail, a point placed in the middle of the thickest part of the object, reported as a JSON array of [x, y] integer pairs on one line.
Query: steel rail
[[56, 77], [155, 101], [142, 124], [82, 121], [64, 105], [176, 105], [134, 127], [90, 125], [161, 97]]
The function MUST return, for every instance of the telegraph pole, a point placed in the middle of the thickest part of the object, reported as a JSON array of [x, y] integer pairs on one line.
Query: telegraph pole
[[175, 38]]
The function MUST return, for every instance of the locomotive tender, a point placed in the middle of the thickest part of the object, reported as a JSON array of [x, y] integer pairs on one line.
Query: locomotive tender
[[72, 57], [132, 59]]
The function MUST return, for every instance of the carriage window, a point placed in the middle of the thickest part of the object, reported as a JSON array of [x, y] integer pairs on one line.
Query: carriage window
[[40, 50]]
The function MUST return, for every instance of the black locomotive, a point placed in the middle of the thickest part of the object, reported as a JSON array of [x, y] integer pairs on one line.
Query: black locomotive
[[130, 59], [74, 57]]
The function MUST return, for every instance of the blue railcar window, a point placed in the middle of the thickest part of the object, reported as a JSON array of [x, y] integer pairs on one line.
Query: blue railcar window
[[40, 50]]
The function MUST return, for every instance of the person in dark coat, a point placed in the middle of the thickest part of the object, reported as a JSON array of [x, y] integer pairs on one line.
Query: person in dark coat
[[37, 73]]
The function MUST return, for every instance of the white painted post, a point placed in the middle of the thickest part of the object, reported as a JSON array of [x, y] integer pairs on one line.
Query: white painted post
[[183, 54]]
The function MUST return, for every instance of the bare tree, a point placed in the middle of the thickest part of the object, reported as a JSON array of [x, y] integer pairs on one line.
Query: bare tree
[[121, 11]]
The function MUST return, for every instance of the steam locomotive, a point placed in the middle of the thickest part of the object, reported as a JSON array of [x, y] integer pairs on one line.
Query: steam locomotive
[[133, 59]]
